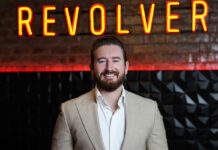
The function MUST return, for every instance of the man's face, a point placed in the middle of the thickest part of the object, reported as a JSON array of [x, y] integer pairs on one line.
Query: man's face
[[109, 67]]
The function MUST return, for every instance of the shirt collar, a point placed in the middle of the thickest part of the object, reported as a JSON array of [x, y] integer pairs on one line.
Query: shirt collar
[[122, 98]]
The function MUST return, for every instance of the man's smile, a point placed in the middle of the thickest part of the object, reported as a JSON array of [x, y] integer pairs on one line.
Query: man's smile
[[110, 74]]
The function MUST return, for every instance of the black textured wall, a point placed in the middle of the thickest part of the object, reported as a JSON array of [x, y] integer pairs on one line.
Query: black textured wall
[[188, 101]]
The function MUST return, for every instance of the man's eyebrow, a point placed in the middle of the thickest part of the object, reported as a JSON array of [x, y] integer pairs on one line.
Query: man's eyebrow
[[116, 58], [106, 58], [101, 58]]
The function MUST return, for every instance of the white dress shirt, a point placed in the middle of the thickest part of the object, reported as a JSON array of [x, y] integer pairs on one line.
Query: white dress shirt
[[112, 125]]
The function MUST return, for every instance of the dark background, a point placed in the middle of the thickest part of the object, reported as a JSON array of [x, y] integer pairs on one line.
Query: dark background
[[188, 101]]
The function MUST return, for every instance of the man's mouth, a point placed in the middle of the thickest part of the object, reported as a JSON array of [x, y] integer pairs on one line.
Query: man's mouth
[[110, 75]]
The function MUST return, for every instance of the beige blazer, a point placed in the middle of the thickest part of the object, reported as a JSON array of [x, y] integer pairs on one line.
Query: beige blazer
[[77, 126]]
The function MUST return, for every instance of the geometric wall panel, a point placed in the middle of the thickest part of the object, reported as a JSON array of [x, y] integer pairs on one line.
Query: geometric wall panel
[[188, 101]]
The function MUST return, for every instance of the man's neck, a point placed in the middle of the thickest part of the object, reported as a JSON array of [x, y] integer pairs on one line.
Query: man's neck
[[112, 97]]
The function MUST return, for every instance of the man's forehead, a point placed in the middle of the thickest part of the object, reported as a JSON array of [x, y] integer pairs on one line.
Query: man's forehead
[[109, 50]]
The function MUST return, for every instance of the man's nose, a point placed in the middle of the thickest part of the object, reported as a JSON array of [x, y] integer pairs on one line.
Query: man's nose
[[109, 65]]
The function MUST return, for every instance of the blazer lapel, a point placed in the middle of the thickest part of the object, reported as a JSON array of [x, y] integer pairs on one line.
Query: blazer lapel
[[130, 112], [89, 116]]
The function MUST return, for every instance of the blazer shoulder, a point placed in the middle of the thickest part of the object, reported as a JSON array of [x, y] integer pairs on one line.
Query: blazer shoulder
[[142, 105], [84, 98], [140, 100]]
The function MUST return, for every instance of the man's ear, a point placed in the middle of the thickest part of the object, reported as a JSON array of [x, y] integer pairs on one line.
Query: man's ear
[[92, 73], [91, 69], [127, 67]]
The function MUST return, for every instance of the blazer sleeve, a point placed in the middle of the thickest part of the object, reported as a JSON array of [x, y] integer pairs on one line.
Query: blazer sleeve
[[62, 139], [157, 139]]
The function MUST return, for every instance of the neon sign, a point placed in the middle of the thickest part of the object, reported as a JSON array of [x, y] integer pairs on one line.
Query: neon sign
[[72, 22]]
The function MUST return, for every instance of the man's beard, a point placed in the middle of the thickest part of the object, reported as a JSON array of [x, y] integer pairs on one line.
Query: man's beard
[[107, 84]]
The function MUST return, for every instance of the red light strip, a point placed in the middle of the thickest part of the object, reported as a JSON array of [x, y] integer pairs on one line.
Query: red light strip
[[147, 67]]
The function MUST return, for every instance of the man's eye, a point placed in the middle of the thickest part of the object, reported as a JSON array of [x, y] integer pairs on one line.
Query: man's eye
[[116, 60], [102, 61]]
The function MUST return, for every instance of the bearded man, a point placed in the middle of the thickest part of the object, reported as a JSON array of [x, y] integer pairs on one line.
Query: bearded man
[[109, 117]]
